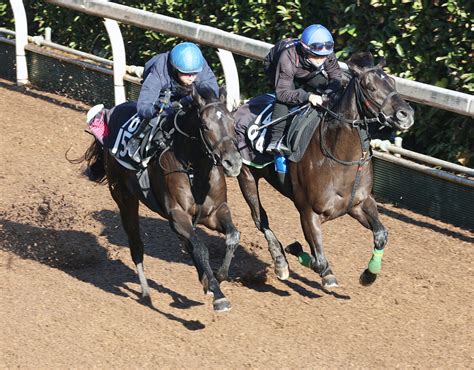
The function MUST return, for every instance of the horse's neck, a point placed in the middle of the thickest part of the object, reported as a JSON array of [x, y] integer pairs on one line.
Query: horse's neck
[[187, 146], [342, 137]]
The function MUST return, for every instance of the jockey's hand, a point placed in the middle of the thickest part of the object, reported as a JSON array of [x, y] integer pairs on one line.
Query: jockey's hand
[[176, 105], [315, 100], [172, 108], [186, 102]]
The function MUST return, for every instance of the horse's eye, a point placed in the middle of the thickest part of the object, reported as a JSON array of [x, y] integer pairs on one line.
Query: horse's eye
[[370, 87]]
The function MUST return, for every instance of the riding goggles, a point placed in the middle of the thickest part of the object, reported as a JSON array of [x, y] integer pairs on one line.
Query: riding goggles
[[319, 46]]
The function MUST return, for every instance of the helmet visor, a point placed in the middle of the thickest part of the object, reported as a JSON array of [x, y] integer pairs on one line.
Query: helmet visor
[[318, 47]]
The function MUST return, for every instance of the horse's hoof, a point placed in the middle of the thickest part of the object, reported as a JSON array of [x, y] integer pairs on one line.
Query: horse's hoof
[[330, 281], [282, 270], [145, 299], [221, 276], [367, 278], [222, 305], [283, 273]]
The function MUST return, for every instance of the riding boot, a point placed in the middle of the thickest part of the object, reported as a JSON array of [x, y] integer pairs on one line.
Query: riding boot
[[277, 129]]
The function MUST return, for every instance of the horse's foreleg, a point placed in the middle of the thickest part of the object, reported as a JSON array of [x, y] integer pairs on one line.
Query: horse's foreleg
[[221, 221], [312, 231], [128, 205], [249, 187], [181, 223], [368, 216]]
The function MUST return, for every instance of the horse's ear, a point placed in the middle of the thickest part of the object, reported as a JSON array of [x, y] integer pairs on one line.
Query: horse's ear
[[381, 63], [363, 59], [222, 94], [196, 97]]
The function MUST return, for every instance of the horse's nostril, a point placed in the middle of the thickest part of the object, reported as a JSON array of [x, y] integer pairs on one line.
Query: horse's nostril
[[401, 115], [226, 163]]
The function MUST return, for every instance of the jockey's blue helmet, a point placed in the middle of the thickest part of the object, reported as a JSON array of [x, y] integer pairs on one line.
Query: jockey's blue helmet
[[187, 58], [317, 40]]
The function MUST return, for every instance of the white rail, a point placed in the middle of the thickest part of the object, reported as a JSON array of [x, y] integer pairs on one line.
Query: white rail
[[118, 52], [411, 90], [21, 38], [425, 169], [418, 92], [387, 146]]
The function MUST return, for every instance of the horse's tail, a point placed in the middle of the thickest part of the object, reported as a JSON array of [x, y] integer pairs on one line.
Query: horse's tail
[[94, 157]]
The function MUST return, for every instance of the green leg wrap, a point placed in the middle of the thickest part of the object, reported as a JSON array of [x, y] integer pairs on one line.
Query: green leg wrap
[[375, 263], [305, 259]]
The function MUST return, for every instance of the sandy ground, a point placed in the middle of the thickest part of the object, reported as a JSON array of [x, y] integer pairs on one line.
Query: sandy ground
[[69, 292]]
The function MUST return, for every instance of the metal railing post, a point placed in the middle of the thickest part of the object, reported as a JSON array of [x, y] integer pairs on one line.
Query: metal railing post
[[118, 52], [231, 78], [21, 40]]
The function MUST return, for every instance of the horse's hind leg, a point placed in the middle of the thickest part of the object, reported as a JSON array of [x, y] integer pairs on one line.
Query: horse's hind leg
[[367, 214], [181, 223], [311, 225], [249, 187], [128, 205]]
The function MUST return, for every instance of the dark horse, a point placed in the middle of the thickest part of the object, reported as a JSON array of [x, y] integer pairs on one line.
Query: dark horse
[[334, 177], [189, 186]]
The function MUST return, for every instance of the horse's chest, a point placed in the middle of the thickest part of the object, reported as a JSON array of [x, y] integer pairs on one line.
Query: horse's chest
[[332, 198]]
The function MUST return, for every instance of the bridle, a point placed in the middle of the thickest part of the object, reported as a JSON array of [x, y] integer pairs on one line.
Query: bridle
[[365, 106], [366, 102], [209, 148]]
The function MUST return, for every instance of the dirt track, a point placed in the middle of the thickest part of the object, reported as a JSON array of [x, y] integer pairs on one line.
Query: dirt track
[[69, 289]]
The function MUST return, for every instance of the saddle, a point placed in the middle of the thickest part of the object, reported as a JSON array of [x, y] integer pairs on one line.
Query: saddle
[[114, 127], [120, 123], [252, 137]]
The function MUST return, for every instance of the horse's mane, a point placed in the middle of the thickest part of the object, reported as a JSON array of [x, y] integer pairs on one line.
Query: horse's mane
[[208, 94], [362, 59], [205, 92]]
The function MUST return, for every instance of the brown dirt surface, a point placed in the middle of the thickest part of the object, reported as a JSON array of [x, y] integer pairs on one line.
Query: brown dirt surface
[[69, 291]]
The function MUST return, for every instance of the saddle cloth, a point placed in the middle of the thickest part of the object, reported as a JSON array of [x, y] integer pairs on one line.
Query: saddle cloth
[[114, 127], [252, 140]]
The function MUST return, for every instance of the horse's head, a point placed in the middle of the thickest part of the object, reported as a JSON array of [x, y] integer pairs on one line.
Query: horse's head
[[376, 93], [217, 131]]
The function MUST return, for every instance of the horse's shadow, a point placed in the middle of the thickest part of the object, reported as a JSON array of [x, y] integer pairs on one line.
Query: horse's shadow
[[162, 243], [80, 255]]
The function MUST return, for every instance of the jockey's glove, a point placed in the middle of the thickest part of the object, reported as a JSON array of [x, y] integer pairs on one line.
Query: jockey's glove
[[186, 102]]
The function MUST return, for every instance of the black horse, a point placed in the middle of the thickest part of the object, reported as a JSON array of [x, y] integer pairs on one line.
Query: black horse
[[334, 177], [188, 184]]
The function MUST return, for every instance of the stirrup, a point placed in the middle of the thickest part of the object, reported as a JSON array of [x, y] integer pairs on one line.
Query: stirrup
[[278, 148]]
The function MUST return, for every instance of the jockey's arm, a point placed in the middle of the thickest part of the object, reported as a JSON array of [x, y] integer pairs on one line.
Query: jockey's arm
[[334, 76], [149, 94], [285, 85]]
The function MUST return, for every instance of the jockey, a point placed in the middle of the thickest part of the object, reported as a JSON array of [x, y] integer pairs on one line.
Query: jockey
[[301, 70], [164, 74]]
